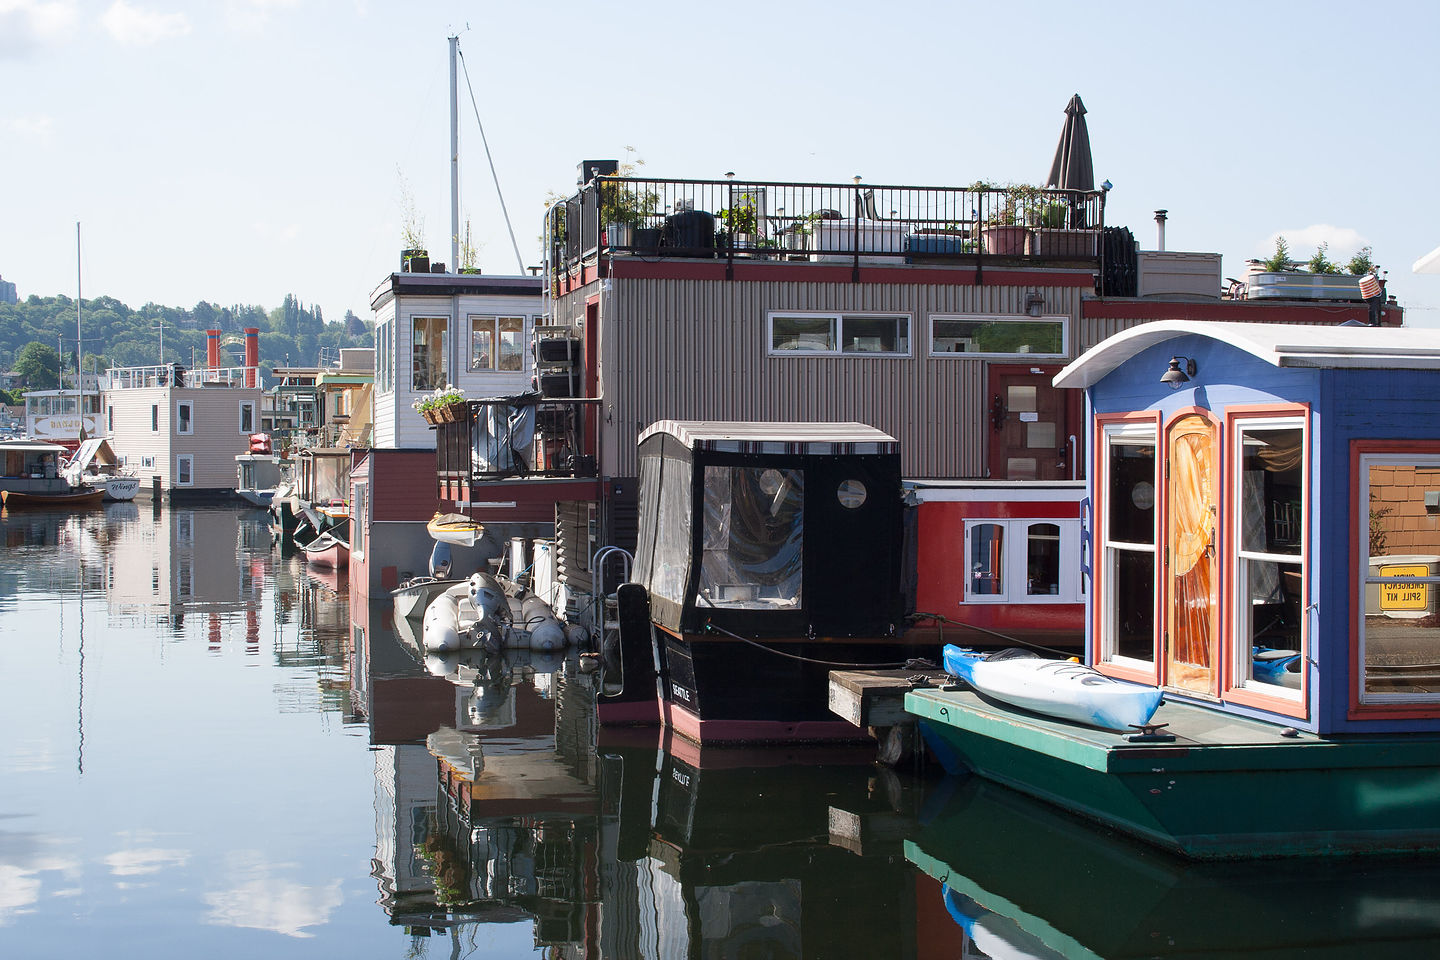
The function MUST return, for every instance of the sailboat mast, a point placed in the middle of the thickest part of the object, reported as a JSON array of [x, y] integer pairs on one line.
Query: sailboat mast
[[79, 341], [454, 159]]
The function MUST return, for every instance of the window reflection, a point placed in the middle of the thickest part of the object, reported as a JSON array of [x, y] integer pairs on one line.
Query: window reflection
[[1401, 642], [753, 537]]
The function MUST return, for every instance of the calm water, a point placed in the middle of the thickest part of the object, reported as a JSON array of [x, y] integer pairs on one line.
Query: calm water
[[206, 753]]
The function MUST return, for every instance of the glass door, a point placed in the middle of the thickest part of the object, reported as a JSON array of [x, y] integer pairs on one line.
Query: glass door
[[1191, 629]]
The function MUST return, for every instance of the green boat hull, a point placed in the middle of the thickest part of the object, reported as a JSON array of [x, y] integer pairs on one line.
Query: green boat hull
[[1225, 788]]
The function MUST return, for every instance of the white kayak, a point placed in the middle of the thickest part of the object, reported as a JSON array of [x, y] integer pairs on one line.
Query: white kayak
[[1063, 689]]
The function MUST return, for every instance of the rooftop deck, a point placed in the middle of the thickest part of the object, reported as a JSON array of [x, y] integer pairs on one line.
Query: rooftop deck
[[824, 223]]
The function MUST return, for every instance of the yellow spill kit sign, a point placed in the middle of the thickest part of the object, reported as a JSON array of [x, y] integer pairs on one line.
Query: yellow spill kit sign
[[1404, 596]]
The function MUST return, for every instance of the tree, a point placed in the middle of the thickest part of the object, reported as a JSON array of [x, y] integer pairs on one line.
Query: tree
[[38, 365]]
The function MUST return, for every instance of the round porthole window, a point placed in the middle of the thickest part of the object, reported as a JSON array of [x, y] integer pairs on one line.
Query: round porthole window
[[850, 493]]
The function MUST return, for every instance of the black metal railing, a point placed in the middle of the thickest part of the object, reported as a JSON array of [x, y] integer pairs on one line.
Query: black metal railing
[[823, 222], [524, 436]]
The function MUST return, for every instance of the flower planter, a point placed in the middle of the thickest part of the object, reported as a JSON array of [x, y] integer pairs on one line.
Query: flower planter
[[1006, 241]]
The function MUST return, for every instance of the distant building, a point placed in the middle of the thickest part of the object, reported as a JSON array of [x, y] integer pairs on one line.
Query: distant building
[[7, 292]]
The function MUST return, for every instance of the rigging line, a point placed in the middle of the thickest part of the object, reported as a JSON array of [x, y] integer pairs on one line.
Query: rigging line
[[520, 263], [893, 665]]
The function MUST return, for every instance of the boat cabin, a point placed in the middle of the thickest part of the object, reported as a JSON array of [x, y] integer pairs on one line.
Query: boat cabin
[[768, 552], [1267, 519], [32, 466]]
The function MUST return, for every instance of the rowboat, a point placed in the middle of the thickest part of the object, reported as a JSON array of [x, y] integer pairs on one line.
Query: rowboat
[[81, 497], [328, 550], [455, 528], [1065, 689]]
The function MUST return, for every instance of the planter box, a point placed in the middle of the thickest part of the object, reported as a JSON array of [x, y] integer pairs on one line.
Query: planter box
[[1065, 243], [1178, 275], [1301, 285], [842, 238], [937, 247]]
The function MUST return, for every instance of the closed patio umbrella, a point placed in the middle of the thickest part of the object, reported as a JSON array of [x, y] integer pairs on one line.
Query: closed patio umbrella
[[1073, 168]]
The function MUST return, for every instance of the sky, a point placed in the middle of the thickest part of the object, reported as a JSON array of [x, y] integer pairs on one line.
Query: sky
[[234, 151]]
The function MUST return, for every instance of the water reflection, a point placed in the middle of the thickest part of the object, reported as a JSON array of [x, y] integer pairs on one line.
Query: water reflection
[[1021, 879]]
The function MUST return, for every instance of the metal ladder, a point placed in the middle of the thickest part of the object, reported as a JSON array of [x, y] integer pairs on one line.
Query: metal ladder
[[604, 596]]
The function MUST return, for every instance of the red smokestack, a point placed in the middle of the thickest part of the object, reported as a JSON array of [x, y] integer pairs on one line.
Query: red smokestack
[[212, 349], [252, 355]]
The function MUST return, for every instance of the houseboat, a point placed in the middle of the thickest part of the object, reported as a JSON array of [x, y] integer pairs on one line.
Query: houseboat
[[769, 554], [65, 417], [178, 430], [1266, 553]]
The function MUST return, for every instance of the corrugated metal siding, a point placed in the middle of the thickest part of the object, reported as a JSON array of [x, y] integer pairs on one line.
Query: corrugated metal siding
[[696, 349], [402, 485]]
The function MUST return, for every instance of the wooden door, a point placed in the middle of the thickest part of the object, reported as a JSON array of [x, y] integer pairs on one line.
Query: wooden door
[[1192, 635], [1029, 429]]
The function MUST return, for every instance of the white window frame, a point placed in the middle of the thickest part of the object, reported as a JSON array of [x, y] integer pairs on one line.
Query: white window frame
[[1366, 580], [1138, 433], [360, 509], [1059, 319], [527, 327], [247, 405], [1015, 555], [1241, 650], [445, 358], [184, 470], [184, 418], [837, 329], [384, 351]]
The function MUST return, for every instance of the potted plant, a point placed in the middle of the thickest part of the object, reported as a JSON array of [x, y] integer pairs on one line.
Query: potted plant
[[740, 225], [1056, 232], [1006, 231], [624, 208], [445, 405]]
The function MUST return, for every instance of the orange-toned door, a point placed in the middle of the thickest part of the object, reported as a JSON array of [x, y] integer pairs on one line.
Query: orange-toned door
[[1029, 426], [1192, 633]]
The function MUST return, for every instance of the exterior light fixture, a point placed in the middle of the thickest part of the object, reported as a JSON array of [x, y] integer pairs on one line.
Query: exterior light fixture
[[1175, 376], [1034, 304]]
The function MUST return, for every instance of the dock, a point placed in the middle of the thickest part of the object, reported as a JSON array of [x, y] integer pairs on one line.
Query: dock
[[874, 700]]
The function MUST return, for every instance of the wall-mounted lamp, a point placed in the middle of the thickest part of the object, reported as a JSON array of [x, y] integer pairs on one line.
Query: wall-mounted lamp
[[1034, 304], [1175, 376], [1107, 186]]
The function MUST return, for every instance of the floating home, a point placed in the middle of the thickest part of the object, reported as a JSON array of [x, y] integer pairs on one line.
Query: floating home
[[1266, 551]]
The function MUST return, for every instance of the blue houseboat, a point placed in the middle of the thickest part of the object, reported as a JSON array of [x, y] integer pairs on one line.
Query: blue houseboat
[[1265, 550]]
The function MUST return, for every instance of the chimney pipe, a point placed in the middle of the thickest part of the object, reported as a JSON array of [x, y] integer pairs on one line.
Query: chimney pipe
[[212, 349], [252, 355], [1160, 223]]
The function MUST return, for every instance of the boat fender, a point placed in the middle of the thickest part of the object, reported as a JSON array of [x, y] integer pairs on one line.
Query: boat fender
[[440, 630], [577, 635]]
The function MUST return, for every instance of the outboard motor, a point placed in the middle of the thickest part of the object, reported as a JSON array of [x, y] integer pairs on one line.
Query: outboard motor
[[440, 561]]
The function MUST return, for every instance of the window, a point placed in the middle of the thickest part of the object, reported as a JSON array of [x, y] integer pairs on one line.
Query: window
[[183, 464], [360, 518], [247, 416], [110, 420], [384, 369], [183, 423], [155, 417], [839, 334], [753, 537], [1022, 561], [1399, 637], [1268, 533], [427, 352], [998, 336], [1127, 552], [497, 343]]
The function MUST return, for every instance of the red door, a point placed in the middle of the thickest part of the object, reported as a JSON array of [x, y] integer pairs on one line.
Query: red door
[[1030, 433]]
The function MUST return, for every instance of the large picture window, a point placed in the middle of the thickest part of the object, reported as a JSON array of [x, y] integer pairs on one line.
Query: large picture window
[[497, 343], [1127, 552], [1269, 649], [833, 333], [749, 562], [1399, 631], [1017, 336], [427, 352]]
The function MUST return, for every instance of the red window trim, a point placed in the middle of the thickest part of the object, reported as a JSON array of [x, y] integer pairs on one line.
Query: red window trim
[[1359, 556], [1100, 539], [1235, 418]]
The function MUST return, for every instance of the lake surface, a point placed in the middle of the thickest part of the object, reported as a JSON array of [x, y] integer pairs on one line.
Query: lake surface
[[208, 750]]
